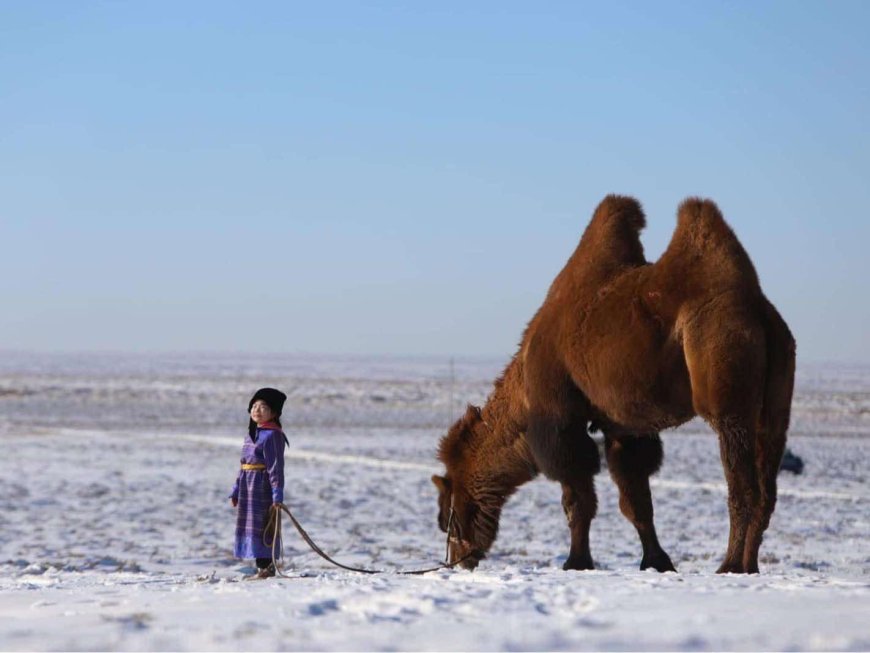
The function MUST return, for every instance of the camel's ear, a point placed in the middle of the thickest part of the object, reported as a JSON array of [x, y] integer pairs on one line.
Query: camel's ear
[[441, 483], [472, 413]]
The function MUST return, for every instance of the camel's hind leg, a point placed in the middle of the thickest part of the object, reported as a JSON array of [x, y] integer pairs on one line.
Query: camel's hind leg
[[768, 455], [736, 447], [631, 460], [726, 358], [770, 445]]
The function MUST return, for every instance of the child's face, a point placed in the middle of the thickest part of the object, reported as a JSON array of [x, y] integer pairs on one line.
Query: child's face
[[261, 413]]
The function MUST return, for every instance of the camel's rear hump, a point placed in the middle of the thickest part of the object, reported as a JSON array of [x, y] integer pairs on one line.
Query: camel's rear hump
[[704, 247]]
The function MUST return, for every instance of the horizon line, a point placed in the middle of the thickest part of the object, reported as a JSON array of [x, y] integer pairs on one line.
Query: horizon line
[[333, 354]]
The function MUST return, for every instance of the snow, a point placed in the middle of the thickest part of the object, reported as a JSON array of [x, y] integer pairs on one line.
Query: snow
[[115, 531]]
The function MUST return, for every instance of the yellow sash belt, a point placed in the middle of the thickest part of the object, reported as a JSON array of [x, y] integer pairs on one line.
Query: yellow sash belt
[[256, 467]]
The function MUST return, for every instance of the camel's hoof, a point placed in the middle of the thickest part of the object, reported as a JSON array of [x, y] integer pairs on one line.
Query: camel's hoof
[[659, 561], [578, 563]]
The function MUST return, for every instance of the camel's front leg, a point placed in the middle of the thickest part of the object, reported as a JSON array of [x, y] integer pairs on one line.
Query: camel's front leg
[[567, 454], [631, 460], [579, 503], [560, 444]]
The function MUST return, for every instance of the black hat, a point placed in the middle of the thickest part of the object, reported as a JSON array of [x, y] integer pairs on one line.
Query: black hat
[[273, 398]]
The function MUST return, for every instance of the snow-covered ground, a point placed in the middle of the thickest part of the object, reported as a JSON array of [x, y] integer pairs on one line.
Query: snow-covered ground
[[115, 531]]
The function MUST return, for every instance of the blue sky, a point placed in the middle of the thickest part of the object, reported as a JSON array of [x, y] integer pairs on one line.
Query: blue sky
[[408, 177]]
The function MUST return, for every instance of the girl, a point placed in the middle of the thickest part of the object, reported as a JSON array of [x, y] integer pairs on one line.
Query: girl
[[259, 487]]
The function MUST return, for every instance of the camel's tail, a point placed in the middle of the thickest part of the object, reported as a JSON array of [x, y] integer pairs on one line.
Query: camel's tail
[[778, 389], [779, 385]]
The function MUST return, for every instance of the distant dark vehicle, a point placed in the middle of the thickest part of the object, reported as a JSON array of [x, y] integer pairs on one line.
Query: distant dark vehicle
[[791, 462]]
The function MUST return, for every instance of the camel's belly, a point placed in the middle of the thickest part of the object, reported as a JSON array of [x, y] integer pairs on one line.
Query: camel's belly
[[641, 411], [634, 372]]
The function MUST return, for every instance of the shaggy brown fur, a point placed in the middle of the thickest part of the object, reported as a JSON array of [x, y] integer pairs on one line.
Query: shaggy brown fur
[[632, 348]]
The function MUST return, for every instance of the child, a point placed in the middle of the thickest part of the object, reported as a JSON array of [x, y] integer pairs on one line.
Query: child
[[260, 484]]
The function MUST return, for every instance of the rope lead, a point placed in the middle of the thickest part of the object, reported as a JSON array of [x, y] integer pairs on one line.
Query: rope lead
[[276, 536]]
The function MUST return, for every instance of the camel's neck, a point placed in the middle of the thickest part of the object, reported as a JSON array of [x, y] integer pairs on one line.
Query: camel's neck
[[505, 457], [504, 410]]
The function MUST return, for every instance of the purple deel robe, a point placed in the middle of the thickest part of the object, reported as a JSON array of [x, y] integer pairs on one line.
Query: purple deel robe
[[257, 490]]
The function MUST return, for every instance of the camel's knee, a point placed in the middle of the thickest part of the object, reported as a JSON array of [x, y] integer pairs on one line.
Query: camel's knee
[[579, 502]]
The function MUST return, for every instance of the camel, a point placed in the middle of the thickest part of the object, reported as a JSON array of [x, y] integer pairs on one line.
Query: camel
[[631, 348]]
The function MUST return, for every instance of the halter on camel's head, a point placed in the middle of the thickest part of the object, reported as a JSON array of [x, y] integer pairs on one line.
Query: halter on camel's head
[[465, 511]]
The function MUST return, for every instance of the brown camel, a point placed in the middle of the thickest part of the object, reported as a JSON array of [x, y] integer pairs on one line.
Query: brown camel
[[631, 348]]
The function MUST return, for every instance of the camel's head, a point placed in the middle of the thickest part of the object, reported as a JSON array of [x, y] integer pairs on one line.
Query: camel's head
[[463, 512]]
